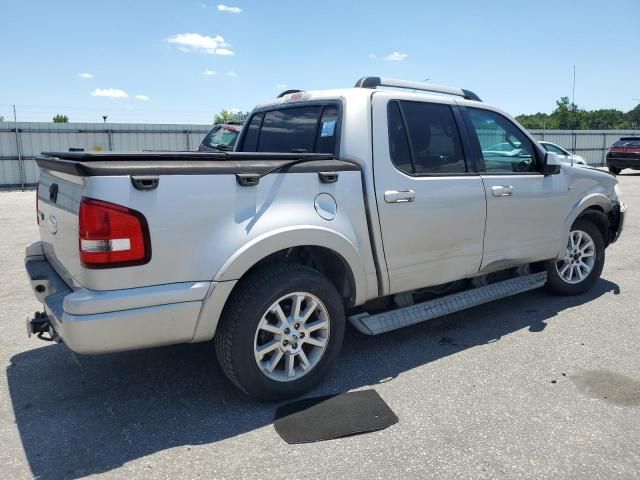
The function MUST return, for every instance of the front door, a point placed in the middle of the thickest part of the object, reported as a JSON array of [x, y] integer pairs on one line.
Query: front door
[[431, 205], [525, 209]]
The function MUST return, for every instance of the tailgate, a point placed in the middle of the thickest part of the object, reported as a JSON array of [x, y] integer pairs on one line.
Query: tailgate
[[59, 196]]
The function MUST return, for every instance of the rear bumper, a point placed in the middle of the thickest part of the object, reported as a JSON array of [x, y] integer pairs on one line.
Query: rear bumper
[[633, 163], [110, 321]]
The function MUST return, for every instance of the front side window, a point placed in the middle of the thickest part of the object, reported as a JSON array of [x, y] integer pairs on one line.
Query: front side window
[[424, 138], [311, 129], [505, 148], [552, 148]]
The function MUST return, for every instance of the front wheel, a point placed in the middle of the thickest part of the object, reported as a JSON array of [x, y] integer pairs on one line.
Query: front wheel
[[582, 263], [281, 331], [615, 170]]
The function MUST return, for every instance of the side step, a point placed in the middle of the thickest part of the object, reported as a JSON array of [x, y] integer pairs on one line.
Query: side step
[[420, 312]]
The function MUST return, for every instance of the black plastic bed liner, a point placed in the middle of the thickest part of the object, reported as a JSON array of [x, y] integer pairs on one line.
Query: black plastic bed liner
[[85, 164]]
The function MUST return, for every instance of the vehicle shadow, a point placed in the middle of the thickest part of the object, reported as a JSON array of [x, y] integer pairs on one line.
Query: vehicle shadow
[[81, 415]]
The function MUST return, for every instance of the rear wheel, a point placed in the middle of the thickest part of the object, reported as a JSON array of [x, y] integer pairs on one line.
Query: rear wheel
[[281, 331], [615, 170], [582, 263]]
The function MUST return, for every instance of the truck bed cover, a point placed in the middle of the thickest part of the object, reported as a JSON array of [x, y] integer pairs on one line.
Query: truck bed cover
[[92, 164]]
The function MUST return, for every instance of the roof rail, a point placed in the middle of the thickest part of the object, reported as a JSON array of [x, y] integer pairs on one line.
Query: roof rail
[[375, 82], [287, 92]]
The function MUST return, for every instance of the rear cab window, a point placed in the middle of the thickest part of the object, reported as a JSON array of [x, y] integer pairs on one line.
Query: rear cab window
[[294, 129], [225, 135]]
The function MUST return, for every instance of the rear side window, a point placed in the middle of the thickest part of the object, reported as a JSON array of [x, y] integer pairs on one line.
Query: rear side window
[[311, 129], [326, 136], [398, 142], [253, 133], [424, 138]]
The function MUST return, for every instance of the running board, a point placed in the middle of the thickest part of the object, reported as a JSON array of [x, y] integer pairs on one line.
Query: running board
[[421, 312]]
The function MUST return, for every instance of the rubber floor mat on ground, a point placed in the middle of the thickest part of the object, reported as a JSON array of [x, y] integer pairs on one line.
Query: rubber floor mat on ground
[[334, 416]]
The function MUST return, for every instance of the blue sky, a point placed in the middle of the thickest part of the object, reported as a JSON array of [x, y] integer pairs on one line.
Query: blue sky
[[516, 55]]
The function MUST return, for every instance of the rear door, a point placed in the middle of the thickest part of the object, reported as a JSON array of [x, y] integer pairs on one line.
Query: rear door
[[525, 209], [431, 204]]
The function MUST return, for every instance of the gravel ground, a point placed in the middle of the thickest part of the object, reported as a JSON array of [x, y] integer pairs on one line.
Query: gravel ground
[[533, 386]]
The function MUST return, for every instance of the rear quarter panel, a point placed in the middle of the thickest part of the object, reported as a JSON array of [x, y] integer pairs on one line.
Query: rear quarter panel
[[208, 227]]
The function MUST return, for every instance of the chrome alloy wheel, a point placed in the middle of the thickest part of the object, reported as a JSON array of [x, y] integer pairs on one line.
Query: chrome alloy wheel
[[292, 336], [579, 259]]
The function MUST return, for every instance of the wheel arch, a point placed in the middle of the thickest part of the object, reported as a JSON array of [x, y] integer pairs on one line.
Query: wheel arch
[[327, 251], [596, 208], [593, 205]]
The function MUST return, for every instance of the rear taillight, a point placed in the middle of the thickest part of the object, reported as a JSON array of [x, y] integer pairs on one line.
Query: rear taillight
[[112, 235]]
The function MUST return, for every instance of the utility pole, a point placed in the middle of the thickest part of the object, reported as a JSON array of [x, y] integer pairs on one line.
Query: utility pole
[[573, 106], [19, 149]]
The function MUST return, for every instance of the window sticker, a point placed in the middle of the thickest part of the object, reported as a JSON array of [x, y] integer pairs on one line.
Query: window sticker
[[328, 128]]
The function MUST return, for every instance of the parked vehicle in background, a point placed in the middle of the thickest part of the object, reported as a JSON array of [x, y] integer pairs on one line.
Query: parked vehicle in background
[[564, 155], [221, 138], [382, 207], [625, 153]]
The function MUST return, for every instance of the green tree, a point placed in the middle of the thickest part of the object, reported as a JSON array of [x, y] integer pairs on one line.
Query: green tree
[[1, 118], [59, 118], [226, 116], [604, 119], [633, 117], [568, 116], [537, 121]]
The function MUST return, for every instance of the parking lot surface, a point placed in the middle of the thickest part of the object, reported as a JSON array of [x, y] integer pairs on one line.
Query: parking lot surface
[[533, 386]]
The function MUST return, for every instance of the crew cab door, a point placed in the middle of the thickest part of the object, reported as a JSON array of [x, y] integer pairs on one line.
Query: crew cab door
[[525, 209], [431, 205]]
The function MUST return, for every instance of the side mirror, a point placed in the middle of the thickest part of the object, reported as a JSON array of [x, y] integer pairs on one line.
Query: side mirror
[[551, 164]]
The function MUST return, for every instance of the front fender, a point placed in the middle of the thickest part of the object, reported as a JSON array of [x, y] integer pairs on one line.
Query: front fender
[[263, 246], [592, 200], [597, 200]]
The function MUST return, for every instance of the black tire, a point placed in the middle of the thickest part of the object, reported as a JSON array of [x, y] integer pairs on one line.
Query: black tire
[[234, 339], [557, 285], [615, 170]]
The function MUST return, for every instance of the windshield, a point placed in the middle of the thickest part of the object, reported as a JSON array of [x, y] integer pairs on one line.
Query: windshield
[[221, 135]]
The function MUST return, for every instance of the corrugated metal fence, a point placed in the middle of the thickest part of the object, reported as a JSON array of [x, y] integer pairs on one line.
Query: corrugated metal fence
[[19, 146], [592, 145]]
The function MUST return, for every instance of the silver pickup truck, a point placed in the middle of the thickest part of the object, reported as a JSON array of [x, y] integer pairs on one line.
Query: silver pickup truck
[[382, 206]]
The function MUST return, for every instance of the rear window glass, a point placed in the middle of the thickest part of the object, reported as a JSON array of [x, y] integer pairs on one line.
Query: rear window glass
[[627, 142], [423, 138], [253, 132], [311, 129], [221, 135]]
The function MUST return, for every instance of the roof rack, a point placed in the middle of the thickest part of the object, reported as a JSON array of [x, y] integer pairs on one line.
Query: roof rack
[[287, 92], [375, 82]]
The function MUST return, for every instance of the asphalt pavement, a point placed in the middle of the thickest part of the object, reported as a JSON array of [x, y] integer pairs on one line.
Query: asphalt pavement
[[533, 386]]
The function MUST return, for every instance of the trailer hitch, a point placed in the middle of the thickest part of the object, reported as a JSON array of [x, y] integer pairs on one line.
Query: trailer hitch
[[41, 327]]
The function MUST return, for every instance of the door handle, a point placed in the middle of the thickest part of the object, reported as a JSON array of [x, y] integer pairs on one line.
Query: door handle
[[399, 196], [502, 190]]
